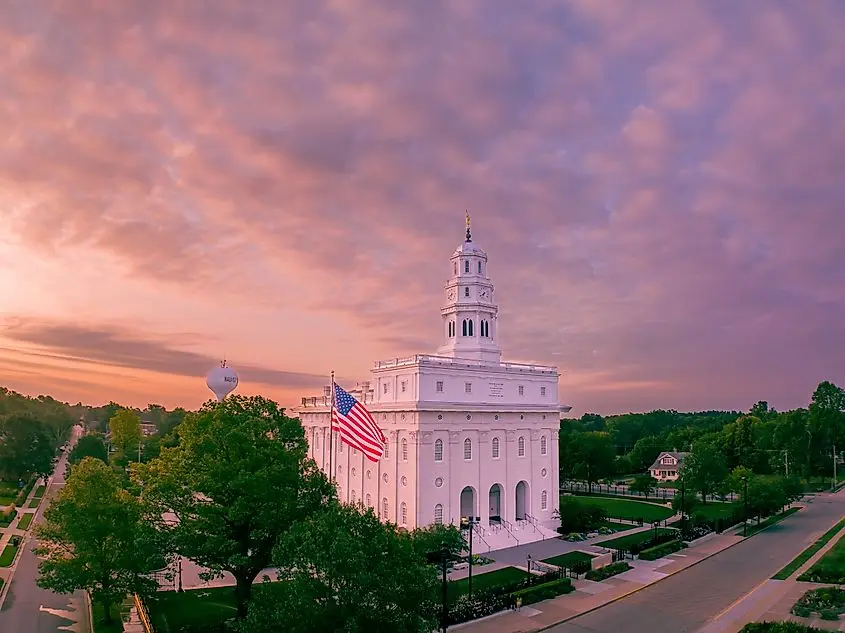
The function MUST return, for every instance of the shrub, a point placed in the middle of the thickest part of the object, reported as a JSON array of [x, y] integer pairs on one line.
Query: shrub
[[778, 627], [577, 516], [822, 600], [662, 550], [536, 593], [481, 604], [607, 571], [829, 614]]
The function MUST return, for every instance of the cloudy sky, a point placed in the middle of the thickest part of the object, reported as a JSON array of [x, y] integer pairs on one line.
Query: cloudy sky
[[659, 186]]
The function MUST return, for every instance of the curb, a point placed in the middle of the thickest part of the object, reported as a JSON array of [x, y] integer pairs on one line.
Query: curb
[[89, 612], [633, 591]]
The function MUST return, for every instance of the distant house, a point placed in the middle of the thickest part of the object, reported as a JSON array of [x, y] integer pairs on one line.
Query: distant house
[[667, 465], [148, 428]]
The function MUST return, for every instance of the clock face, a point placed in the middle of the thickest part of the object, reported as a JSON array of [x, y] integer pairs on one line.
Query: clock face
[[451, 295], [484, 294]]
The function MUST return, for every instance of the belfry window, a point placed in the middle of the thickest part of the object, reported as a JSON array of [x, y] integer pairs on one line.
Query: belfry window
[[455, 268], [464, 328], [470, 328], [466, 292], [466, 266], [479, 267]]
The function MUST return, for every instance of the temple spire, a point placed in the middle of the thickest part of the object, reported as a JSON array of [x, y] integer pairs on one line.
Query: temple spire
[[469, 231]]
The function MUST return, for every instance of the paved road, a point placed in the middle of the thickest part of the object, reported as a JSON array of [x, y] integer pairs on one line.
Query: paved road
[[29, 609], [685, 602]]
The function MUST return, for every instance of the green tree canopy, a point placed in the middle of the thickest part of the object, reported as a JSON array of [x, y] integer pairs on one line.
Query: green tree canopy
[[125, 430], [704, 469], [436, 537], [644, 484], [91, 445], [97, 537], [26, 446], [237, 481], [344, 570], [594, 456]]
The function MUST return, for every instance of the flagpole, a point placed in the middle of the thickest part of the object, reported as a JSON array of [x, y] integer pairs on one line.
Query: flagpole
[[331, 431]]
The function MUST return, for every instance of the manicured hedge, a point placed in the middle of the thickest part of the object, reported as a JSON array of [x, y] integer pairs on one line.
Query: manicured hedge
[[603, 573], [660, 551], [547, 590], [24, 493]]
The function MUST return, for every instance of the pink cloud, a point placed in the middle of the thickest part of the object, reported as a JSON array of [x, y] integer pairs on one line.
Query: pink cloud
[[659, 187]]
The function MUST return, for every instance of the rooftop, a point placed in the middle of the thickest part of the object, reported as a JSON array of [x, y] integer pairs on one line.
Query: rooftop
[[449, 361]]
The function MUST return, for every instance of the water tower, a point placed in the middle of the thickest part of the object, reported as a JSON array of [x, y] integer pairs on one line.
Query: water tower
[[222, 381]]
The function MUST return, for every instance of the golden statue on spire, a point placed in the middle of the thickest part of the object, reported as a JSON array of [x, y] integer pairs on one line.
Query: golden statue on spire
[[468, 223], [469, 232]]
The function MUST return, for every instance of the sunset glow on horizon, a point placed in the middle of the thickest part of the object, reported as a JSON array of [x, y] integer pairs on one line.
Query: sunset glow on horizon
[[659, 187]]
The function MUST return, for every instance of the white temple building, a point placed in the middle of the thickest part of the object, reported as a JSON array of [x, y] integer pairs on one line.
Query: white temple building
[[469, 436]]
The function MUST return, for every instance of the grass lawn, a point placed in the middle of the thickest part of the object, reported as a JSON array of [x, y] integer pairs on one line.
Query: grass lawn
[[97, 613], [498, 578], [8, 555], [34, 503], [171, 610], [39, 492], [26, 519], [6, 501], [627, 509], [830, 567], [716, 509], [807, 554], [625, 542], [568, 559]]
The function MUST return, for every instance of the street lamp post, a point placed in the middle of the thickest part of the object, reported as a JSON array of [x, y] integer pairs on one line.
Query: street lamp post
[[745, 507], [445, 612], [528, 568], [469, 581]]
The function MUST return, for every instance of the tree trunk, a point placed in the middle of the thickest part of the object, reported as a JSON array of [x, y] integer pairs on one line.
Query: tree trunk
[[243, 591], [107, 619]]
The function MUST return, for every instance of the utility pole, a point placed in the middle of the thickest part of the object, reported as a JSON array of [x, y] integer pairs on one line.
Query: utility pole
[[786, 461], [834, 469]]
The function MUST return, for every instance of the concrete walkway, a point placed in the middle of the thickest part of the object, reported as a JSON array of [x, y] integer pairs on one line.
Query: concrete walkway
[[6, 535], [773, 600], [589, 595]]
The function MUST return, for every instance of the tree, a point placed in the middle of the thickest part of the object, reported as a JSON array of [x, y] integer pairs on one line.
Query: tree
[[826, 422], [738, 441], [684, 503], [344, 570], [577, 516], [594, 457], [25, 446], [436, 537], [704, 469], [645, 451], [643, 484], [125, 430], [97, 537], [91, 445], [237, 481], [763, 497]]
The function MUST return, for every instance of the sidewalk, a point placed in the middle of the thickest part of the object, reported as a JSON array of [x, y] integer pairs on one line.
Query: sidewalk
[[7, 533], [589, 595], [773, 600]]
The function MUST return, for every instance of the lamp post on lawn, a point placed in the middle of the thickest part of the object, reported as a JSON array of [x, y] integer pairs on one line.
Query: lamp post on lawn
[[745, 507], [471, 522], [528, 567]]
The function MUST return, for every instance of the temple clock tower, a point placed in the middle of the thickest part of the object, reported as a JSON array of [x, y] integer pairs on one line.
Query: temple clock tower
[[469, 315]]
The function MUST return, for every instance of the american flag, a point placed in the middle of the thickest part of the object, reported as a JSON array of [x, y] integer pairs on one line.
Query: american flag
[[356, 426]]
